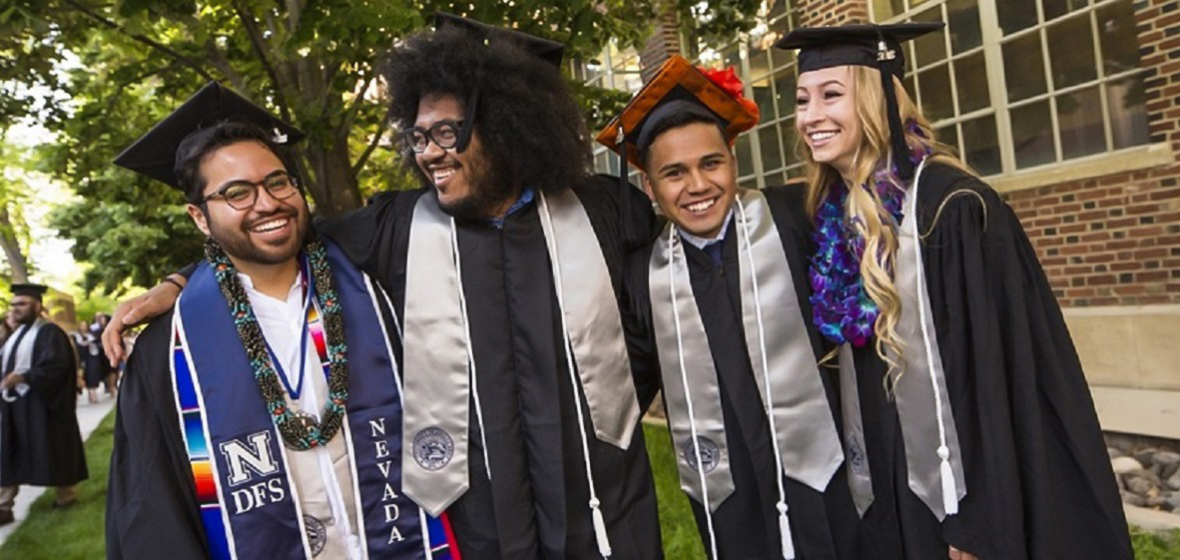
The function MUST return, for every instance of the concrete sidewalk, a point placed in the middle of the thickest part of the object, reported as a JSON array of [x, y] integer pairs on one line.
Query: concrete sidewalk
[[89, 416]]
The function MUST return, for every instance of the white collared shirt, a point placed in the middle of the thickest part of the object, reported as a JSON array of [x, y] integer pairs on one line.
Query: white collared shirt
[[701, 242], [282, 324]]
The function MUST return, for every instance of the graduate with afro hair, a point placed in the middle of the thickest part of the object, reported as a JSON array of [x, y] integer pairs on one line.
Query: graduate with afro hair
[[531, 128], [505, 268]]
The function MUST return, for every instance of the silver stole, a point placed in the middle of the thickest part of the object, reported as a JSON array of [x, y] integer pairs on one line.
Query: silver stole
[[933, 456], [857, 463], [439, 368], [24, 357], [807, 443]]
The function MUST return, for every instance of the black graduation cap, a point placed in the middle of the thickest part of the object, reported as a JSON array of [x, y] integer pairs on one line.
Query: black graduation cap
[[678, 86], [550, 51], [154, 154], [544, 49], [875, 46], [32, 290]]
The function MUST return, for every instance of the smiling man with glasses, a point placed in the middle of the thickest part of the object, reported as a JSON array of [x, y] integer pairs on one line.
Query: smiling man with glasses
[[261, 417]]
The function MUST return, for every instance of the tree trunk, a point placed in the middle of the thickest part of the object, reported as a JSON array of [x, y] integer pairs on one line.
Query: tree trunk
[[332, 186], [12, 250]]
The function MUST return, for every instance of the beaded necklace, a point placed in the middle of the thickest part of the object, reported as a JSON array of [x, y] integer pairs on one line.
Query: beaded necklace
[[840, 306], [299, 431]]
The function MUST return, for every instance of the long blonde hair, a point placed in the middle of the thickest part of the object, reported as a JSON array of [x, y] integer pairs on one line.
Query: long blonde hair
[[864, 209]]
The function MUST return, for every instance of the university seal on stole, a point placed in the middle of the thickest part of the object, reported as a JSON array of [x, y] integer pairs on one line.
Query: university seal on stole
[[317, 536], [710, 453], [433, 448]]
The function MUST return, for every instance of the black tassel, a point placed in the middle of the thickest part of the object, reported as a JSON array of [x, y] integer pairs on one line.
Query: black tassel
[[465, 131], [624, 191]]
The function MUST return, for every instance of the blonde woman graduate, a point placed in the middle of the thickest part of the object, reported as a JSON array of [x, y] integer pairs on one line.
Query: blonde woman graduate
[[968, 425]]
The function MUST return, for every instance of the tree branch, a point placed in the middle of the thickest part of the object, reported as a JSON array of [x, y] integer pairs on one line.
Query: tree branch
[[218, 60], [140, 38], [256, 44], [361, 161], [351, 111]]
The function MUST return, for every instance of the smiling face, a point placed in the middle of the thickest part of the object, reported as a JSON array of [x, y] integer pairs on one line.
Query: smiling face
[[825, 115], [271, 231], [466, 186], [692, 176]]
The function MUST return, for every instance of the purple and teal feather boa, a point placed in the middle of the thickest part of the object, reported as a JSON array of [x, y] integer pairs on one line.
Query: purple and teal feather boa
[[840, 306]]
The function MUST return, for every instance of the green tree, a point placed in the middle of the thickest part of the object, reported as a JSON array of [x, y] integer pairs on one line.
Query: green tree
[[124, 65], [14, 231]]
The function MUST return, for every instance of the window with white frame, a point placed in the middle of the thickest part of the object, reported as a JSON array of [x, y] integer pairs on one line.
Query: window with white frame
[[765, 154], [1011, 84], [618, 69], [1017, 84]]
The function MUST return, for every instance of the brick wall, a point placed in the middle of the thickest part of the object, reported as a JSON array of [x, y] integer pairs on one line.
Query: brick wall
[[816, 13], [1115, 240], [664, 42]]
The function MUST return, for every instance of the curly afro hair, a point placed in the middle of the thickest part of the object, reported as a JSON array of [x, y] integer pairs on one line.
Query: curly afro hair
[[530, 126]]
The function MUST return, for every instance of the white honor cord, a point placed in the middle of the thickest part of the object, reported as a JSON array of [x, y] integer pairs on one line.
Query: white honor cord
[[596, 513], [788, 543], [470, 354], [692, 419], [397, 324], [950, 494]]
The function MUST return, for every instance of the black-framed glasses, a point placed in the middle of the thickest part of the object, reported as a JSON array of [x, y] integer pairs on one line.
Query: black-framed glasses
[[241, 195], [444, 133]]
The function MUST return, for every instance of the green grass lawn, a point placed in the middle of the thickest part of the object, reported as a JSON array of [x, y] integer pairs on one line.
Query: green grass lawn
[[77, 533], [677, 526]]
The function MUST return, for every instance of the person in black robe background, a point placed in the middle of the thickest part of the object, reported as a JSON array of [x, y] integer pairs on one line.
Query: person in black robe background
[[40, 444], [1037, 477]]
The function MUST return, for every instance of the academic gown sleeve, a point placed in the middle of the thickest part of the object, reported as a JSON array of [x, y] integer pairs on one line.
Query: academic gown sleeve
[[366, 235], [151, 499], [1039, 483]]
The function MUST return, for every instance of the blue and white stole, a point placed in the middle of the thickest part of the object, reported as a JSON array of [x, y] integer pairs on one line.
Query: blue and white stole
[[249, 506]]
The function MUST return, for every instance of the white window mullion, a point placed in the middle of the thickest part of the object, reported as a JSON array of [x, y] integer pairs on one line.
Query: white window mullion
[[993, 60], [1100, 70]]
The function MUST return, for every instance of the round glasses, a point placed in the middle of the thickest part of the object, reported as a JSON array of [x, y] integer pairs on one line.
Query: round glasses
[[444, 134], [241, 195]]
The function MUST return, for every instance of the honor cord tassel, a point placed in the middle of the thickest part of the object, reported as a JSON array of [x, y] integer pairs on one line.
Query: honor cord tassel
[[783, 524], [784, 529], [596, 513], [950, 494]]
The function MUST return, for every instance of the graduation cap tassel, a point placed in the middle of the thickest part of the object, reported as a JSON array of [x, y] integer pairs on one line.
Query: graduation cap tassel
[[465, 131], [624, 186], [897, 145]]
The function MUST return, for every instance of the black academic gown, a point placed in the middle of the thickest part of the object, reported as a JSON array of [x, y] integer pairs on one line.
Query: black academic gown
[[536, 504], [823, 525], [1038, 478], [39, 439], [151, 498]]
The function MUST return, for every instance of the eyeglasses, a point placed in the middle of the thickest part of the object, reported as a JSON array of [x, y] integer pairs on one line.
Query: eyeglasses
[[444, 134], [241, 195]]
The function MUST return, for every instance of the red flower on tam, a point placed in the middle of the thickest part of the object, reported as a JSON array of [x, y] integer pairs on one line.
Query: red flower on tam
[[728, 81]]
